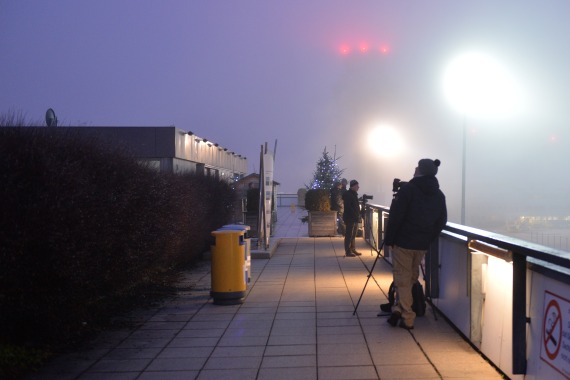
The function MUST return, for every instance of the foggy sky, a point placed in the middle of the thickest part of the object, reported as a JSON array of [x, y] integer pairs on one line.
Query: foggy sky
[[242, 73]]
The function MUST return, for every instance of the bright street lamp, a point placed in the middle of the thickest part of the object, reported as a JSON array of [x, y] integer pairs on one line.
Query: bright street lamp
[[477, 85], [385, 141]]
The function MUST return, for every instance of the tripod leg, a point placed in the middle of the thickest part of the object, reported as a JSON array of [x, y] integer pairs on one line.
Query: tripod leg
[[368, 278]]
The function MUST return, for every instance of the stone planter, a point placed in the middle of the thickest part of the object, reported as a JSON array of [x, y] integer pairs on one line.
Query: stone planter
[[322, 223]]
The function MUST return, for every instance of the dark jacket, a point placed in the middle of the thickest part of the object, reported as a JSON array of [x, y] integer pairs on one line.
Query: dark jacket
[[417, 214], [351, 207], [337, 204]]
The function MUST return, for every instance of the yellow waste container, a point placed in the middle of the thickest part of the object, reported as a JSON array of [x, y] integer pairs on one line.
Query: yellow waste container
[[247, 241], [229, 275]]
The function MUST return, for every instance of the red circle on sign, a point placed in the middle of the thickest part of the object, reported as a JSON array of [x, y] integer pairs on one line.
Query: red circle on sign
[[558, 320]]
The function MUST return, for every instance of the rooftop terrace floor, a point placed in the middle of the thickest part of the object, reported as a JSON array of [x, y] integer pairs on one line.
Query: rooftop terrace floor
[[296, 322]]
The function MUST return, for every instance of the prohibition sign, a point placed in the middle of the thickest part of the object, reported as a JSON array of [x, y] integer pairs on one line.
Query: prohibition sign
[[552, 328]]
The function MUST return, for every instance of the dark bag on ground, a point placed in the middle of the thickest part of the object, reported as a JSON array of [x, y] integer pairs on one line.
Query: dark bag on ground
[[418, 303]]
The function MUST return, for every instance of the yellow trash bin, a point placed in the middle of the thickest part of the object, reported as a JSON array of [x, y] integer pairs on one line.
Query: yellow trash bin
[[247, 241], [229, 275]]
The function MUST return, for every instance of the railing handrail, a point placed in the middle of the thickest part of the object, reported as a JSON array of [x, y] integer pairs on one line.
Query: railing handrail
[[528, 249]]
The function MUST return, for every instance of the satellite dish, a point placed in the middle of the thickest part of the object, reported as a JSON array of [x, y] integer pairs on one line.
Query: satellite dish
[[51, 119]]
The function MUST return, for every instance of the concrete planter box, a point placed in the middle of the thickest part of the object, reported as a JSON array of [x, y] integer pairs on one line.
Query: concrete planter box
[[322, 223]]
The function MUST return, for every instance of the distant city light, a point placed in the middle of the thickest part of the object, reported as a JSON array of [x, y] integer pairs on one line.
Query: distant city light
[[384, 49]]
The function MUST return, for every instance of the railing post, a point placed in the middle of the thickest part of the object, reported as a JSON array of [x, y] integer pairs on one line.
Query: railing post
[[519, 313]]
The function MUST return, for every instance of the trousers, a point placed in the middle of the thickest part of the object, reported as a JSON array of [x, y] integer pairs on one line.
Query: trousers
[[406, 269], [350, 236]]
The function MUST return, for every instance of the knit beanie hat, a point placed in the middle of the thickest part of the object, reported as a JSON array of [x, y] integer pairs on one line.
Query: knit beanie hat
[[427, 166]]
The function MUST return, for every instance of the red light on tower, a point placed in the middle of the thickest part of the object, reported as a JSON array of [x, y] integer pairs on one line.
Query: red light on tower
[[344, 49], [384, 49], [363, 48]]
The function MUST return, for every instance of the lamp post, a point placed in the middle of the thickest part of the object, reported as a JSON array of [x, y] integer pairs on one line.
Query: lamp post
[[463, 166], [477, 85]]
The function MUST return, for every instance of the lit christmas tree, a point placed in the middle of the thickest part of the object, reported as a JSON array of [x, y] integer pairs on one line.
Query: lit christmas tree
[[327, 172]]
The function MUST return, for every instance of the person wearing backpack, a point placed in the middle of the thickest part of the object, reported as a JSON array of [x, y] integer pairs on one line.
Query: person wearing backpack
[[417, 216]]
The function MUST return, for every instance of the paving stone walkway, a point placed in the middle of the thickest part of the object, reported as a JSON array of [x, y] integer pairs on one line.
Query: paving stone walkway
[[297, 322]]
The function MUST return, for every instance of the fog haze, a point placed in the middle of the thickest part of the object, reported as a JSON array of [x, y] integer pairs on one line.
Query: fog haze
[[242, 73]]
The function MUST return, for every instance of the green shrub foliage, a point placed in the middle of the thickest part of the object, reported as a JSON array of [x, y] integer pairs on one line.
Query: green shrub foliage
[[317, 200], [81, 224]]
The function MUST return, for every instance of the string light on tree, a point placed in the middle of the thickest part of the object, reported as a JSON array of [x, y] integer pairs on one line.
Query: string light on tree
[[326, 173]]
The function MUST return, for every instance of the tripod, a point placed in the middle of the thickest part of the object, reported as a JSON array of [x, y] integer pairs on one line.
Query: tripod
[[368, 277], [371, 269]]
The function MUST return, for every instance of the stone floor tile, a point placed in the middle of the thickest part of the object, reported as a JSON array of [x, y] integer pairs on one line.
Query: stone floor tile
[[120, 365], [238, 351], [239, 332], [109, 376], [163, 325], [289, 361], [177, 364], [193, 342], [249, 323], [338, 349], [299, 349], [279, 340], [294, 331], [409, 371], [287, 316], [133, 353], [206, 333], [295, 322], [343, 359], [251, 316], [338, 330], [305, 373], [145, 343], [185, 352], [348, 373], [296, 309], [203, 325], [233, 362], [341, 339], [236, 341], [227, 374], [168, 375]]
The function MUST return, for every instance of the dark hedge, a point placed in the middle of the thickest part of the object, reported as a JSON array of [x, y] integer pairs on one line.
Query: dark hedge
[[81, 224]]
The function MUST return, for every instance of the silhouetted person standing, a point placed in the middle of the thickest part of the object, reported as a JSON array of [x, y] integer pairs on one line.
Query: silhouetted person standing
[[417, 216], [351, 218]]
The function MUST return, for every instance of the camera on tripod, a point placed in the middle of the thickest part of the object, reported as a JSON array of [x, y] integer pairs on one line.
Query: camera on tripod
[[396, 184], [365, 198]]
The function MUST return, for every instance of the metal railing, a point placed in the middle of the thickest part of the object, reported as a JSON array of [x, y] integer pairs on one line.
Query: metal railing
[[452, 258]]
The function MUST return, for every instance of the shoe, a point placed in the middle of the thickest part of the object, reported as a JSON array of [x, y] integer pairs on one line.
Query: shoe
[[357, 253], [386, 307], [350, 254], [404, 326], [393, 320]]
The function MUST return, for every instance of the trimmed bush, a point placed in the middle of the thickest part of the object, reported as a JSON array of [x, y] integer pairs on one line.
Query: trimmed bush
[[317, 200]]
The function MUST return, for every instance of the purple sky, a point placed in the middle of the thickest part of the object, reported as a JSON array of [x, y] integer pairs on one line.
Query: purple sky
[[242, 73]]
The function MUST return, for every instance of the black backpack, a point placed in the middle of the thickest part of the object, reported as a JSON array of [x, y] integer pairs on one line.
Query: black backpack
[[419, 299]]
